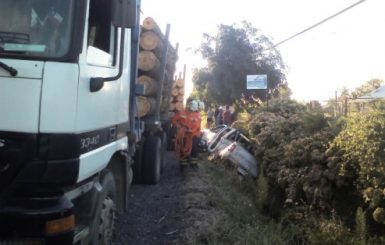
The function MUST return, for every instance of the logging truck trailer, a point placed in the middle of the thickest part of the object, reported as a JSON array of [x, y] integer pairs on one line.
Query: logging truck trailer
[[68, 126]]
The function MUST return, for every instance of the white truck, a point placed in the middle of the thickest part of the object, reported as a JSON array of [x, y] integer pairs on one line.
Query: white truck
[[68, 127]]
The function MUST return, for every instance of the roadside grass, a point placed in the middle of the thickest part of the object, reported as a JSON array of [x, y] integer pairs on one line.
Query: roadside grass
[[241, 202], [244, 224]]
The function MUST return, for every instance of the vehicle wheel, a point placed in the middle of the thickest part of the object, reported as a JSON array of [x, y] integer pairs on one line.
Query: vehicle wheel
[[137, 165], [151, 165], [163, 152], [103, 227]]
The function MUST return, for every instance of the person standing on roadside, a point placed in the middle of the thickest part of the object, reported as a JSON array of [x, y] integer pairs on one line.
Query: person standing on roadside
[[218, 117], [186, 123], [226, 116], [210, 117]]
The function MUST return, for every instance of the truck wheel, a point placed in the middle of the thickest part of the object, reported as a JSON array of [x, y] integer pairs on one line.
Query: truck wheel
[[137, 165], [106, 212], [163, 152], [151, 160]]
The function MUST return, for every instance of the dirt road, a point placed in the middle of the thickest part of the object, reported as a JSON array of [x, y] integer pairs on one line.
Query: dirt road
[[155, 213], [181, 209], [166, 213]]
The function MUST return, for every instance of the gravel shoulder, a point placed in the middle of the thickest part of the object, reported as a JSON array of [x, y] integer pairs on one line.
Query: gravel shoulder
[[155, 212], [181, 209]]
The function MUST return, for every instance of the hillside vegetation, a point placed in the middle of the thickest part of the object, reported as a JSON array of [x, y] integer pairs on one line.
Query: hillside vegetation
[[323, 178]]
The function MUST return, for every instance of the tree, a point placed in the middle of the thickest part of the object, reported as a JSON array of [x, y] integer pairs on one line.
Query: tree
[[234, 52], [367, 87], [340, 105]]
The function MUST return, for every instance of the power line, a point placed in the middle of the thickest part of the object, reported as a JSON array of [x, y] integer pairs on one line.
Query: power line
[[321, 22]]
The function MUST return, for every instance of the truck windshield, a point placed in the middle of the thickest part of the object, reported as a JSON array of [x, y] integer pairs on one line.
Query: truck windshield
[[39, 28]]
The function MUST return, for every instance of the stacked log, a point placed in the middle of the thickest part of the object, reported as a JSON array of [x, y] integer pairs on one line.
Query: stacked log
[[177, 93], [152, 43]]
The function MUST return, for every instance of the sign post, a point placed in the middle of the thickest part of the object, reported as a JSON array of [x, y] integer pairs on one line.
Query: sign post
[[258, 82]]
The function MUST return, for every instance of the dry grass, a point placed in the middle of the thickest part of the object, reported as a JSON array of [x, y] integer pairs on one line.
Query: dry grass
[[219, 212]]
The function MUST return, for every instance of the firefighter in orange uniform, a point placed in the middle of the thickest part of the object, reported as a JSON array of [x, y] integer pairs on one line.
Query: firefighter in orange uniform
[[185, 121]]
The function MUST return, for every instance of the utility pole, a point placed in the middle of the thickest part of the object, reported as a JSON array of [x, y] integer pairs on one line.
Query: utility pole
[[346, 106], [336, 105]]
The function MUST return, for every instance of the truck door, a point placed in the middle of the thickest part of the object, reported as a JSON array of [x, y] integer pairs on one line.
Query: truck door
[[101, 115]]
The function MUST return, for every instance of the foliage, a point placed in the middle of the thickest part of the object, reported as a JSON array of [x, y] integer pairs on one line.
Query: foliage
[[310, 178], [241, 125], [234, 52], [262, 190], [361, 148], [339, 104], [320, 171], [367, 87], [304, 173], [361, 226], [327, 231], [285, 108], [243, 223], [291, 143]]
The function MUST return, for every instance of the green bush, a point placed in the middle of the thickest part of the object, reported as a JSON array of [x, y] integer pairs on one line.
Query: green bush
[[290, 143], [304, 173], [285, 108], [315, 164], [360, 156]]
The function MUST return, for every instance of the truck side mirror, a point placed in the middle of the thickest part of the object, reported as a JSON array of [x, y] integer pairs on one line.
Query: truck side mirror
[[124, 13]]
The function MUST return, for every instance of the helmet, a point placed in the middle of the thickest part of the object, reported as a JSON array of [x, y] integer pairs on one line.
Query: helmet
[[201, 105], [193, 105]]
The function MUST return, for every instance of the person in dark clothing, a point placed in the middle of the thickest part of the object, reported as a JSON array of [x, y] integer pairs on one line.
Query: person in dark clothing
[[217, 116], [226, 116], [210, 117]]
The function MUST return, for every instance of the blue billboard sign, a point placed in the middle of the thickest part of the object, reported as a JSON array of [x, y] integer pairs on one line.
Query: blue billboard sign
[[256, 81]]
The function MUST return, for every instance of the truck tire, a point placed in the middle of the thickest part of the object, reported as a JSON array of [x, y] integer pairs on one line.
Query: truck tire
[[104, 222], [151, 164], [137, 165], [163, 152]]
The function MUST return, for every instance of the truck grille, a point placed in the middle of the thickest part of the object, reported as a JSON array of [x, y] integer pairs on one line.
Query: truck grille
[[15, 151]]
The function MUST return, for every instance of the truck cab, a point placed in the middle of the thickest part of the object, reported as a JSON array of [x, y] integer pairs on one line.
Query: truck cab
[[67, 131]]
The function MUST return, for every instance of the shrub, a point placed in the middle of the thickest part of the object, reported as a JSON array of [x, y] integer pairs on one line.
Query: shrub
[[304, 173], [360, 156], [290, 144]]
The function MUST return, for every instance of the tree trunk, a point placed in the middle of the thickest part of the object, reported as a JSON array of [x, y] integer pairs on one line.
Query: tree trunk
[[146, 105], [179, 83], [150, 85], [180, 98], [181, 91], [149, 24], [150, 41], [175, 92], [148, 62]]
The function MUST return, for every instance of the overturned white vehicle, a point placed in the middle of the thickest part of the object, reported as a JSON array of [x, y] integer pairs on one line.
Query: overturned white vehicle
[[230, 144]]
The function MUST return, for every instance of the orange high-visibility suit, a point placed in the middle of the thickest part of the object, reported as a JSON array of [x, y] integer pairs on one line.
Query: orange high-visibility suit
[[196, 123], [188, 125], [183, 143]]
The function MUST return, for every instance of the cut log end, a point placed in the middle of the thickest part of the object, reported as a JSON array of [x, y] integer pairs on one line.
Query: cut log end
[[148, 61], [146, 105], [150, 41], [179, 83], [150, 85]]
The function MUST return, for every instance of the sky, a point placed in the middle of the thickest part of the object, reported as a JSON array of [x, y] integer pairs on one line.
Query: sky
[[346, 51]]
